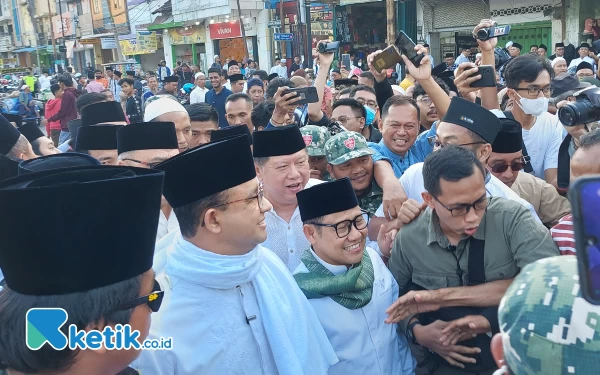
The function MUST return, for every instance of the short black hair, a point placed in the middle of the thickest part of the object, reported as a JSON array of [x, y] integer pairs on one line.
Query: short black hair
[[66, 80], [275, 84], [357, 108], [129, 81], [263, 75], [355, 89], [202, 112], [239, 96], [418, 90], [89, 99], [451, 163], [398, 100], [54, 88], [224, 73], [525, 68], [91, 75], [533, 45], [191, 215], [215, 70], [118, 73], [343, 91], [261, 114], [69, 69], [97, 71], [85, 308], [109, 68], [368, 75]]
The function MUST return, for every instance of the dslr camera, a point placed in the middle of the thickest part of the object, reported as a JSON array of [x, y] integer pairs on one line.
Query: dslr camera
[[585, 109]]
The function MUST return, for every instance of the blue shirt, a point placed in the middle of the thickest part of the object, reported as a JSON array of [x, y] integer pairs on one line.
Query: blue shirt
[[416, 153], [218, 101]]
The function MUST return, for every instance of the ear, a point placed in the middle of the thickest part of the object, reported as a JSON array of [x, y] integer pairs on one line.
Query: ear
[[211, 221], [428, 198], [484, 152], [330, 170], [363, 122], [310, 232], [97, 326], [512, 94], [258, 172], [498, 350]]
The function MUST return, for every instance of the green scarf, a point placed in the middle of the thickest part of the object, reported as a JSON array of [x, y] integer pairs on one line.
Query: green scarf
[[353, 289]]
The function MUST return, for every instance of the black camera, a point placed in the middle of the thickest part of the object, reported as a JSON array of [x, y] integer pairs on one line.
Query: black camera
[[585, 109], [328, 47], [492, 32]]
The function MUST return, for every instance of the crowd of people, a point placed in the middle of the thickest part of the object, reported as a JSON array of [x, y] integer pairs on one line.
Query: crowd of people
[[419, 228]]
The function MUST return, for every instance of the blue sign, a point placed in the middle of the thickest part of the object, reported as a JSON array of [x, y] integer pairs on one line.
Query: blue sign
[[284, 37]]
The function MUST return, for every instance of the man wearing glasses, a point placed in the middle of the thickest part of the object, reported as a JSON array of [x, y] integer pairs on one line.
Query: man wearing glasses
[[365, 95], [506, 162], [230, 305], [100, 274], [145, 145], [347, 283], [463, 242]]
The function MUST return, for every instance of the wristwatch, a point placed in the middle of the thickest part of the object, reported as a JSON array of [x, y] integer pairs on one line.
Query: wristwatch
[[410, 335]]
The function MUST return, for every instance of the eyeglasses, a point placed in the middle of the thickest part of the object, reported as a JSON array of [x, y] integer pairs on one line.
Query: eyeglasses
[[342, 229], [149, 165], [515, 166], [370, 103], [344, 120], [535, 91], [433, 142], [154, 299], [425, 100], [585, 74], [258, 197], [463, 209]]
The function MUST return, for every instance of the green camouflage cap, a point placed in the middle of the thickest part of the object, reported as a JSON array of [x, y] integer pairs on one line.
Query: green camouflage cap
[[547, 327], [315, 138], [346, 146]]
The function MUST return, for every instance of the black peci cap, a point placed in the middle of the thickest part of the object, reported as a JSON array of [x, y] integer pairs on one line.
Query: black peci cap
[[102, 113], [473, 117], [326, 198], [57, 161], [147, 136], [97, 137], [281, 140], [510, 138], [9, 167], [171, 79], [230, 131], [9, 135], [31, 131]]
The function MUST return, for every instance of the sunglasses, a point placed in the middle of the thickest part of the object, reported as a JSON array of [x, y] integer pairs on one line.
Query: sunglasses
[[153, 299], [515, 166]]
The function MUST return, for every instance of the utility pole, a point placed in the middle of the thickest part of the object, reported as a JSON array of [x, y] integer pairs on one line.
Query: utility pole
[[115, 34], [390, 9], [282, 19], [52, 34], [243, 30], [308, 58], [62, 28], [34, 24]]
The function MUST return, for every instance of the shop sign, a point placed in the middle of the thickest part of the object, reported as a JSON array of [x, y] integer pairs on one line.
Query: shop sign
[[131, 47], [249, 26], [108, 43], [225, 30], [146, 41], [287, 37], [63, 25], [187, 35]]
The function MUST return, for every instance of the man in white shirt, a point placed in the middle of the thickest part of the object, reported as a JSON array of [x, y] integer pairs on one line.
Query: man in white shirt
[[44, 81], [348, 285], [584, 55], [465, 124], [145, 145], [282, 165], [197, 95], [230, 305], [464, 56], [280, 68]]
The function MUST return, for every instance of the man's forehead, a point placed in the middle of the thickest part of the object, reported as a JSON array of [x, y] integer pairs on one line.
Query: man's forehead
[[496, 156], [364, 94], [203, 125], [343, 215], [282, 159]]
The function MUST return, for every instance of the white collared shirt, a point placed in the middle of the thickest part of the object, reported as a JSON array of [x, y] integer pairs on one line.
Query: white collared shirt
[[287, 240], [165, 226], [197, 95]]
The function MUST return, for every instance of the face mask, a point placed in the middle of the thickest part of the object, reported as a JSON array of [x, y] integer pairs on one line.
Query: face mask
[[370, 115], [359, 63], [534, 107]]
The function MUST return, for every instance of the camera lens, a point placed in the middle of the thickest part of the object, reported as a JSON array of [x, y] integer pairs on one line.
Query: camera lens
[[568, 115], [483, 34], [578, 113]]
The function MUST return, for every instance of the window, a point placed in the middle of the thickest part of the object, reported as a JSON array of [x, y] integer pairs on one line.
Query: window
[[10, 29]]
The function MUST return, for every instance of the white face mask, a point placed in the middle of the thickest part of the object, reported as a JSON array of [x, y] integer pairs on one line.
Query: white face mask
[[535, 107]]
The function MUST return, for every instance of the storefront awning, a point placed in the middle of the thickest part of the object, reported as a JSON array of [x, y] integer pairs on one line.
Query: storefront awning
[[167, 22], [26, 49], [96, 36]]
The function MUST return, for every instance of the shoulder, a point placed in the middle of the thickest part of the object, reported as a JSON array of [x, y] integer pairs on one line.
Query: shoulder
[[418, 228], [498, 113], [502, 205]]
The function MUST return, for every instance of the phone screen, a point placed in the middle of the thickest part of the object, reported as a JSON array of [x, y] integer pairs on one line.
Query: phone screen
[[346, 61], [406, 45], [589, 208]]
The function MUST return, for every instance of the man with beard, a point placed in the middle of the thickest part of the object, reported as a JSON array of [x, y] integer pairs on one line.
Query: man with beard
[[282, 166], [254, 317], [218, 95]]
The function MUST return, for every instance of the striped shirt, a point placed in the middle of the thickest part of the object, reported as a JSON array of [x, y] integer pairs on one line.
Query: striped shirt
[[564, 236]]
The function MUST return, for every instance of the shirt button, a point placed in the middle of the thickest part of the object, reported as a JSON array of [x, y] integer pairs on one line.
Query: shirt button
[[289, 227], [291, 250]]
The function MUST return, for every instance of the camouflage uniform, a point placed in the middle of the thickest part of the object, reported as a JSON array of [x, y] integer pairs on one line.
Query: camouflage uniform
[[547, 327], [315, 138], [351, 145]]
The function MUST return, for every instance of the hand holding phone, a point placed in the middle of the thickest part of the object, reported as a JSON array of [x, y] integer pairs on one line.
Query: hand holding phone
[[488, 76], [305, 94]]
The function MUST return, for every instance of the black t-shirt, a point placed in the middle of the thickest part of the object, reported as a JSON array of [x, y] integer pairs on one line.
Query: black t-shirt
[[133, 109]]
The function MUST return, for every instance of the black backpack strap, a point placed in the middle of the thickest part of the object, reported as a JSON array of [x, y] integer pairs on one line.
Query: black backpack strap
[[528, 167], [476, 264], [564, 163]]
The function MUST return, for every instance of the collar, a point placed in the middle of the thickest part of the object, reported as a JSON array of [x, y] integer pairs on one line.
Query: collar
[[435, 233], [336, 270], [374, 190]]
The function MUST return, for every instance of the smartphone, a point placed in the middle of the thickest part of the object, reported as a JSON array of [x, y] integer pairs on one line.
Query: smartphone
[[488, 77], [584, 194], [346, 61], [306, 94], [407, 47], [387, 58]]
